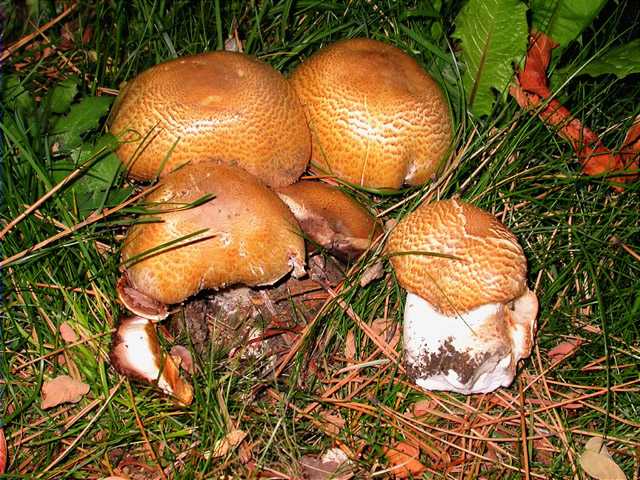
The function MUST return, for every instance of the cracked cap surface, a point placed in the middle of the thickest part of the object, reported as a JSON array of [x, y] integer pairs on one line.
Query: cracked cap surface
[[253, 237], [221, 105], [377, 119], [489, 264]]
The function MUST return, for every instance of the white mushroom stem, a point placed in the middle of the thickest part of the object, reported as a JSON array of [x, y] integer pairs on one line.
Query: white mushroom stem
[[471, 352]]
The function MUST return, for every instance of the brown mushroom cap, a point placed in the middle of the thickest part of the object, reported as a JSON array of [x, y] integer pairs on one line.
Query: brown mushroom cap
[[252, 237], [489, 264], [330, 217], [377, 119], [223, 105]]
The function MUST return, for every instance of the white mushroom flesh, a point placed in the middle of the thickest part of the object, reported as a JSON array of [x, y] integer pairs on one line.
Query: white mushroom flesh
[[471, 352]]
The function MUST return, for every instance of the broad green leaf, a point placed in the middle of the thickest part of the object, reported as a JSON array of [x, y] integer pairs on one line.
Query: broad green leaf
[[16, 97], [62, 95], [564, 20], [94, 188], [619, 61], [494, 37], [82, 117]]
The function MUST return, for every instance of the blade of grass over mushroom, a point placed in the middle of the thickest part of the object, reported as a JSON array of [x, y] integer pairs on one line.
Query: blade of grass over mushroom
[[179, 242]]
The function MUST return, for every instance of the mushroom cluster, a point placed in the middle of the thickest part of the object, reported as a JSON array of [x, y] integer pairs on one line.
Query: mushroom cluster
[[228, 137]]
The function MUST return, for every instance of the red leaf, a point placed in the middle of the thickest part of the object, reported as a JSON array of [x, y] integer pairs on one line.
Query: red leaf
[[403, 459], [534, 76], [564, 349]]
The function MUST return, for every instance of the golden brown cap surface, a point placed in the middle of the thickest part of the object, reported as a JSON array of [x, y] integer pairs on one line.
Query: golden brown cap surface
[[254, 238], [330, 217], [377, 119], [489, 264], [222, 105]]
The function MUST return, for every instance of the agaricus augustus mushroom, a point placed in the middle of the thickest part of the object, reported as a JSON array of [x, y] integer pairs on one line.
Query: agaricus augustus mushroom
[[224, 106], [243, 235], [135, 352], [469, 316], [331, 218], [377, 119]]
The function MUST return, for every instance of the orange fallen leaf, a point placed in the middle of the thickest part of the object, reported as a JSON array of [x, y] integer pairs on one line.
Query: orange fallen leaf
[[333, 422], [230, 441], [350, 346], [564, 349], [62, 389], [4, 452], [403, 460], [423, 407], [532, 90], [186, 360], [67, 333], [387, 329]]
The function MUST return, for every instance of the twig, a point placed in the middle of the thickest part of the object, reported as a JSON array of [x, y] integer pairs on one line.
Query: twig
[[26, 39]]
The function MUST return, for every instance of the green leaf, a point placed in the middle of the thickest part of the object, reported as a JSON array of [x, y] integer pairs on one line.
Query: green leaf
[[564, 20], [82, 117], [16, 97], [619, 61], [494, 36], [94, 189], [62, 95]]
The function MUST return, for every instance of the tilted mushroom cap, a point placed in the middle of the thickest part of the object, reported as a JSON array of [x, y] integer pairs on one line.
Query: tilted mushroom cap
[[469, 316], [222, 105], [135, 352], [252, 238], [377, 119], [330, 217]]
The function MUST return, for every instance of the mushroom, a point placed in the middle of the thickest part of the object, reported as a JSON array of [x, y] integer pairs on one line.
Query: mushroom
[[377, 119], [243, 235], [469, 316], [135, 352], [225, 106], [331, 218]]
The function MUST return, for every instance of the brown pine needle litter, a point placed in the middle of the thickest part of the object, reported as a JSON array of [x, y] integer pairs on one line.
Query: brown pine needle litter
[[325, 375]]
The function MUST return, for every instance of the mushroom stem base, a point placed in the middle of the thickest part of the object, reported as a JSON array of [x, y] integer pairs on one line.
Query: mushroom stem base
[[473, 352]]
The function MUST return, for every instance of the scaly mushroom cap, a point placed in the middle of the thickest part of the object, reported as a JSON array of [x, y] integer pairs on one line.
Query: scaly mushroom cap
[[469, 316], [377, 119], [484, 262], [252, 238], [330, 217], [222, 105]]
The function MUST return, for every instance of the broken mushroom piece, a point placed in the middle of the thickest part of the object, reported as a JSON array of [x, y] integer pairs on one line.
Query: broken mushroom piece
[[222, 105], [244, 234], [135, 352], [331, 218], [377, 119], [469, 316]]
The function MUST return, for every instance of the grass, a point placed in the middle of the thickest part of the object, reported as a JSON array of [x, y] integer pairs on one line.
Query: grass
[[581, 239]]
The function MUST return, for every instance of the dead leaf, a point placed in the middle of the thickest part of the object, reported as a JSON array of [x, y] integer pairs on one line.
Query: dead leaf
[[4, 453], [67, 333], [387, 329], [564, 349], [423, 407], [333, 422], [403, 459], [596, 461], [333, 464], [186, 361], [350, 346], [374, 272], [228, 443], [62, 389]]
